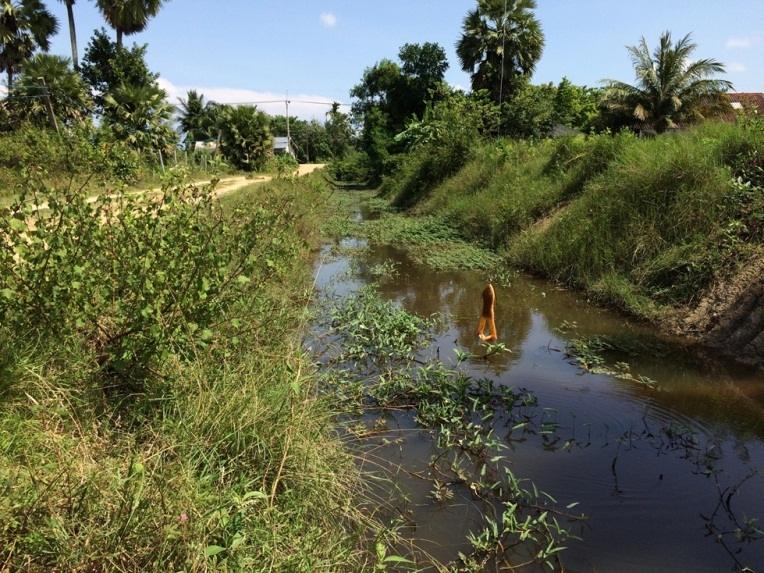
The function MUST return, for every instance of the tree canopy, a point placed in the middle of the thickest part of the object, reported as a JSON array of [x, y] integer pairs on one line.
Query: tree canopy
[[25, 27], [500, 48]]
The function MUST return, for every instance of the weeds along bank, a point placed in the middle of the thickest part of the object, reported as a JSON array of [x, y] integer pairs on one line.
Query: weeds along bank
[[664, 228], [158, 413]]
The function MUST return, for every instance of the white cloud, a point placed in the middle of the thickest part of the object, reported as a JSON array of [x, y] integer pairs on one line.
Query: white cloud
[[304, 106], [3, 90], [328, 20], [742, 42], [736, 67]]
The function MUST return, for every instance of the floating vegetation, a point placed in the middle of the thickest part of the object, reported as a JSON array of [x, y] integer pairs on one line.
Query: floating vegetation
[[386, 269], [375, 329], [470, 421], [589, 353]]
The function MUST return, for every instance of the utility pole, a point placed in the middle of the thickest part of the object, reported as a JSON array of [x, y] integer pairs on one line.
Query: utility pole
[[49, 106], [289, 136]]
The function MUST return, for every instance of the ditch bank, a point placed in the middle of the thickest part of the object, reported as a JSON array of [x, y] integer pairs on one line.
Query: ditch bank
[[669, 229]]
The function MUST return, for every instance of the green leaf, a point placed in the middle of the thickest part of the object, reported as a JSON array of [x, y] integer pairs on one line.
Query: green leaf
[[212, 550]]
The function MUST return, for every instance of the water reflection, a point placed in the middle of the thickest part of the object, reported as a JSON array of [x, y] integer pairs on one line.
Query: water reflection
[[670, 478]]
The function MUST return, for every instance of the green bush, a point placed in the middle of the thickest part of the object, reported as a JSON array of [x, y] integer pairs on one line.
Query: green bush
[[135, 279]]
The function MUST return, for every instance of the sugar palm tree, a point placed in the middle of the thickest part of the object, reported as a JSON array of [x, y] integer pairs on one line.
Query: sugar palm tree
[[69, 96], [25, 26], [500, 34], [72, 30], [671, 87], [128, 16]]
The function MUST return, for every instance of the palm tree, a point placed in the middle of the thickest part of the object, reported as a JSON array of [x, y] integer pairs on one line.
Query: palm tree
[[671, 88], [128, 16], [72, 31], [25, 26], [193, 117], [67, 92], [500, 45]]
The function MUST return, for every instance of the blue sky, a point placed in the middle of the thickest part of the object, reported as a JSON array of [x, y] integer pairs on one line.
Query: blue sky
[[254, 50]]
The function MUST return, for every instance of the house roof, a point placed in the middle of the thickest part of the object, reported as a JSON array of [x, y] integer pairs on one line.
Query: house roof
[[747, 99]]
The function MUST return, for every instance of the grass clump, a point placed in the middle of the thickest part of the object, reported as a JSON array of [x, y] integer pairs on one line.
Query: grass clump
[[154, 418]]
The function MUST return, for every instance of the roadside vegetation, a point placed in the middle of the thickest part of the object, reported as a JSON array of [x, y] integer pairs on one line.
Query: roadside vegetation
[[159, 411]]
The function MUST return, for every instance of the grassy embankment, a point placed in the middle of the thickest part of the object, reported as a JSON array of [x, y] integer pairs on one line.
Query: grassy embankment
[[158, 412], [642, 224]]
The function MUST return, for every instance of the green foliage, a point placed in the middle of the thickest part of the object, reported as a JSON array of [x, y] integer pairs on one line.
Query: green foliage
[[310, 139], [245, 138], [338, 132], [354, 167], [107, 66], [284, 166], [440, 145], [52, 75], [194, 118], [493, 39], [672, 87], [80, 155], [25, 27], [374, 329], [226, 458], [139, 115], [128, 16], [135, 279], [389, 95]]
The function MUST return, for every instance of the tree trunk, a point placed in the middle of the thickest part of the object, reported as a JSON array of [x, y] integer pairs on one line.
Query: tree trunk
[[10, 78], [119, 38], [72, 33]]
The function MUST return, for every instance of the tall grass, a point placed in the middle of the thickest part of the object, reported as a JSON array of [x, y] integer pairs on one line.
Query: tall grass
[[642, 223], [224, 459]]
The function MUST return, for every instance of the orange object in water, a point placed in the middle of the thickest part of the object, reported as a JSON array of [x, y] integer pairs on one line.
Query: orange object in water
[[487, 315]]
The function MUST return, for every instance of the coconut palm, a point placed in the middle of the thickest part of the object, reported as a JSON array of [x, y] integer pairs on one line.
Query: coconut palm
[[671, 87], [500, 34], [128, 16], [25, 26], [72, 31], [193, 117]]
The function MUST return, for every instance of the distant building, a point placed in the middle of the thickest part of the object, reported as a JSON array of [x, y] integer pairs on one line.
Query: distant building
[[750, 101], [211, 146], [282, 145]]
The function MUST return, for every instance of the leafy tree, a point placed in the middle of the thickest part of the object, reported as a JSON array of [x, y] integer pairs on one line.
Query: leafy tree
[[530, 112], [245, 138], [423, 67], [72, 31], [402, 91], [25, 27], [576, 106], [106, 66], [139, 115], [494, 40], [338, 131], [128, 16], [671, 88], [68, 94]]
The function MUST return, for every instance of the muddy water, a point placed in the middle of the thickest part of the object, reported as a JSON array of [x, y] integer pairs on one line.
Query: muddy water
[[653, 469]]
